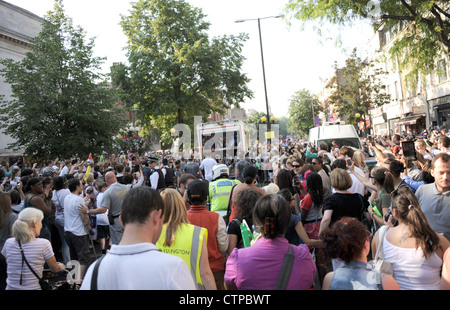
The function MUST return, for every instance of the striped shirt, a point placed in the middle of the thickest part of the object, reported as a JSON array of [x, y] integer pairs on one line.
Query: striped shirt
[[36, 252]]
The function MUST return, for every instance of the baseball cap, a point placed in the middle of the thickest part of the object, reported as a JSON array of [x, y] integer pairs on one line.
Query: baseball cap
[[198, 190]]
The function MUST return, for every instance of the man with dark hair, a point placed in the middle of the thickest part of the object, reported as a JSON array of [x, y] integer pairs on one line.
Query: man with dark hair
[[48, 170], [169, 173], [142, 266], [75, 233], [155, 178], [443, 146], [120, 170], [184, 181], [217, 232], [66, 169], [193, 168], [434, 198]]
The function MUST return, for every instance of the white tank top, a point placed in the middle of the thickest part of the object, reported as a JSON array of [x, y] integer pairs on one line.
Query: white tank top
[[412, 270]]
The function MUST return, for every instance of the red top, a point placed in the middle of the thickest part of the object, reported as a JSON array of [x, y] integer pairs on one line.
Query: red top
[[199, 216]]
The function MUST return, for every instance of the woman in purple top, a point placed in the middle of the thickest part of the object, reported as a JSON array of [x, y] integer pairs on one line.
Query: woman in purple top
[[258, 266]]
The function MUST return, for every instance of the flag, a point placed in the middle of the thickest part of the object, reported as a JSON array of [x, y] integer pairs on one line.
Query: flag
[[90, 163]]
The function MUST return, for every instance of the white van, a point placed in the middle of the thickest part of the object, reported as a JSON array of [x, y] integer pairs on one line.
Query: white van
[[335, 131]]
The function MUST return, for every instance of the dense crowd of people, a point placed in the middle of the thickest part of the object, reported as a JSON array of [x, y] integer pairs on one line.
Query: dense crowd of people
[[314, 217]]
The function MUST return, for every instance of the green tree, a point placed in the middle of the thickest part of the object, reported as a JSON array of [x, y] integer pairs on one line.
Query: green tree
[[302, 107], [283, 123], [424, 26], [356, 88], [175, 71], [255, 120], [60, 106]]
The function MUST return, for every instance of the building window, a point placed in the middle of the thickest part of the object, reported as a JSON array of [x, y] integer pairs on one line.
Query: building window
[[442, 71]]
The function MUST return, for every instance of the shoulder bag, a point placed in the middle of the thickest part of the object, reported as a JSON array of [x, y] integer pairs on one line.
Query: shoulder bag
[[228, 214], [286, 269], [94, 277], [43, 283], [378, 263]]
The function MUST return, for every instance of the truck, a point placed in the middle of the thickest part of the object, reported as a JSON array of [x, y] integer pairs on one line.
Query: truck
[[222, 139], [340, 132]]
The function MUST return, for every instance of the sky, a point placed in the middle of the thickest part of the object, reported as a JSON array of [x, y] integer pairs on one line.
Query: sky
[[294, 58]]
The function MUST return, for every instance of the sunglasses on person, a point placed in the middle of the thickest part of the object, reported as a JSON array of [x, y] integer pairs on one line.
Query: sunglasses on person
[[296, 166]]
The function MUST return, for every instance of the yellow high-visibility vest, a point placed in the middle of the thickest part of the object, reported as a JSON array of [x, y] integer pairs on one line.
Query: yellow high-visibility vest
[[219, 191], [187, 245]]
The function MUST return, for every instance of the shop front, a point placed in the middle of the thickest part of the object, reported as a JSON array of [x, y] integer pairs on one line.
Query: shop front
[[414, 124], [440, 110]]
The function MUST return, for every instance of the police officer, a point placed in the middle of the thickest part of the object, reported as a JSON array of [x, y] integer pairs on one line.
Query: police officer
[[156, 176], [220, 188], [169, 173]]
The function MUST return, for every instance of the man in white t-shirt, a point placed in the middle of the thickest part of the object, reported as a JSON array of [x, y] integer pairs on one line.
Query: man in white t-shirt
[[66, 169], [136, 263], [75, 234]]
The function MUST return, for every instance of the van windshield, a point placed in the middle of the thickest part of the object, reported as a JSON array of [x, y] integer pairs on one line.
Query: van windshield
[[353, 142]]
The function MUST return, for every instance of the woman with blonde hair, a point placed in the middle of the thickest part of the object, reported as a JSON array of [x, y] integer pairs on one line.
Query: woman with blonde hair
[[359, 161], [179, 237], [342, 203], [26, 254]]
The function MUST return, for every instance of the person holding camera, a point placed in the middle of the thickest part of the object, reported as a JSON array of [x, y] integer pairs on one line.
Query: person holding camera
[[318, 167]]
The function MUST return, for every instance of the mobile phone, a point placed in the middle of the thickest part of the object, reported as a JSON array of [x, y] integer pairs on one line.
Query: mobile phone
[[409, 151], [348, 162]]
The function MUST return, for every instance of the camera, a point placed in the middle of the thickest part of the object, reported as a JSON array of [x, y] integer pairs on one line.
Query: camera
[[386, 218], [89, 191], [136, 168]]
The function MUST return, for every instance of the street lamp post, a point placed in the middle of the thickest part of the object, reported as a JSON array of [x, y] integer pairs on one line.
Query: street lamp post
[[263, 69]]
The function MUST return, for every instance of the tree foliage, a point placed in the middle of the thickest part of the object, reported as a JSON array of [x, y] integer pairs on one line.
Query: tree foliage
[[423, 26], [175, 71], [59, 107], [303, 107], [356, 88]]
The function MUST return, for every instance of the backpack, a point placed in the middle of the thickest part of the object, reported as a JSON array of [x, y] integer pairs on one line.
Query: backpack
[[161, 181], [240, 244], [169, 177]]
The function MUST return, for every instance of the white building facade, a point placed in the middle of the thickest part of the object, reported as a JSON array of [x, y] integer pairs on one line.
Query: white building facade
[[17, 27], [414, 106]]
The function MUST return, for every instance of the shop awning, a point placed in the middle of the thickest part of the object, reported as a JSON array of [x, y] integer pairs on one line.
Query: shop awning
[[410, 120]]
